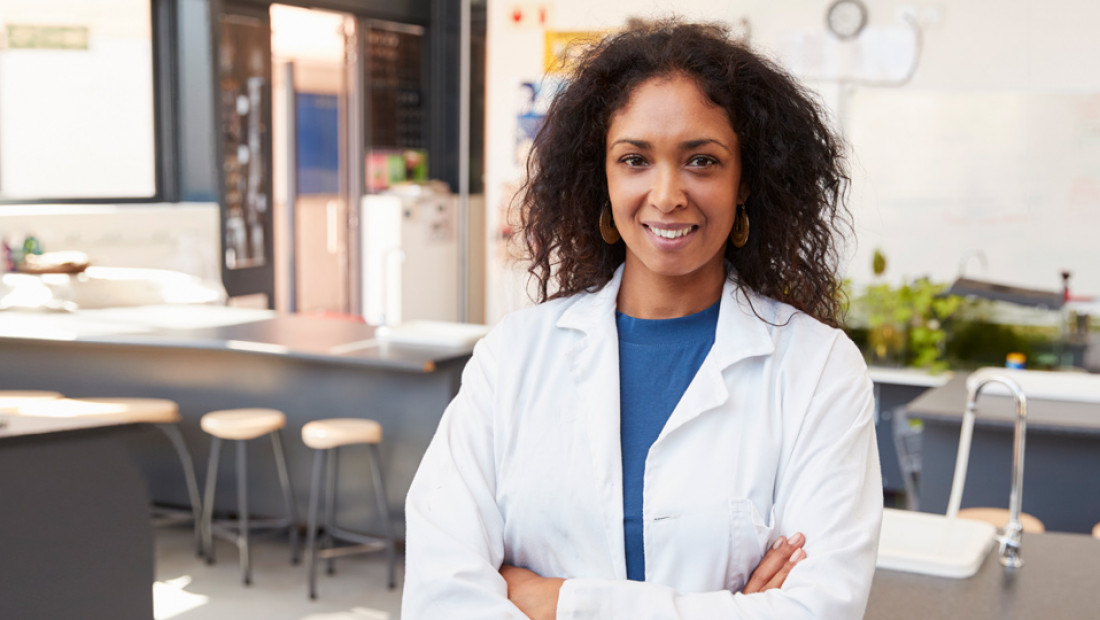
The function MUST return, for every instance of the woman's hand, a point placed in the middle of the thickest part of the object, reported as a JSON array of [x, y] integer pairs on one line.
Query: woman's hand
[[534, 595], [776, 564]]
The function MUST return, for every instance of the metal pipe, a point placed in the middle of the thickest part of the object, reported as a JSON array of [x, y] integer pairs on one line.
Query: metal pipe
[[464, 161], [290, 135], [1010, 536]]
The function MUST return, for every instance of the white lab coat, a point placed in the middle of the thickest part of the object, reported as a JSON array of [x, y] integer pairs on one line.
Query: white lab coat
[[773, 436]]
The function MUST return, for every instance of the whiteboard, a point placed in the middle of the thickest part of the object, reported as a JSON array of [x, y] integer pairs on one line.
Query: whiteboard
[[939, 176]]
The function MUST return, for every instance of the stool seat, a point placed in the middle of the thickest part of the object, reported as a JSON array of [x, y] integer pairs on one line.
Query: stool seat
[[999, 518], [137, 410], [12, 401], [335, 432], [241, 424]]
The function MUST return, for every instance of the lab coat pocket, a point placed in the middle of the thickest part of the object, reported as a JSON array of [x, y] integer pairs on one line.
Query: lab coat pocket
[[749, 536]]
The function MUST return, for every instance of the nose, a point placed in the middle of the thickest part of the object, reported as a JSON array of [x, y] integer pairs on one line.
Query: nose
[[668, 190]]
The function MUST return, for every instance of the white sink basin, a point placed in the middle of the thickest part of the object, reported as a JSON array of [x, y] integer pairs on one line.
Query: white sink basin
[[919, 542], [432, 333]]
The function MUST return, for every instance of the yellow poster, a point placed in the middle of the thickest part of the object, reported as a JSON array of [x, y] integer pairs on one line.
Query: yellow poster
[[562, 47]]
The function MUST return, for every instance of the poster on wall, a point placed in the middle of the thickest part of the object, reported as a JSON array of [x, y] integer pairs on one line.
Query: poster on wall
[[563, 47]]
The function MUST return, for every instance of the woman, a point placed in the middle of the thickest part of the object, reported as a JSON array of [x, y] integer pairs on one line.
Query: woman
[[643, 442]]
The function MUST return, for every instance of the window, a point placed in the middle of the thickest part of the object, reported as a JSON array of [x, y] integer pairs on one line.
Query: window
[[76, 100]]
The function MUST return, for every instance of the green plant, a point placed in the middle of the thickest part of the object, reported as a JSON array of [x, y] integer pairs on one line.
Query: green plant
[[906, 324]]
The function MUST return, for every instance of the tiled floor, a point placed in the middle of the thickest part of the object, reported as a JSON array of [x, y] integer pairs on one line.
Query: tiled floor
[[188, 589]]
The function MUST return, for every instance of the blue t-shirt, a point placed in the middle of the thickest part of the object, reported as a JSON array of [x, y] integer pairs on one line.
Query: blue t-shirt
[[657, 360]]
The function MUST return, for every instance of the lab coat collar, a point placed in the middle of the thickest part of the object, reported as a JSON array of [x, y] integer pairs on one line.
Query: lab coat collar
[[740, 332], [594, 364]]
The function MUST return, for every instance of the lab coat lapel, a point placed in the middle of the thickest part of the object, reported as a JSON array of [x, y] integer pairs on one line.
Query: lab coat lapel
[[739, 334], [594, 365]]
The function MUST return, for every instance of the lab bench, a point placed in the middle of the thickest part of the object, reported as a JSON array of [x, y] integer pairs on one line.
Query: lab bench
[[1057, 580], [207, 358], [75, 536]]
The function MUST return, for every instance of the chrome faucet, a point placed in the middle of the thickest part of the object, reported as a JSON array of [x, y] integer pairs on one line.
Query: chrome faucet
[[1010, 537]]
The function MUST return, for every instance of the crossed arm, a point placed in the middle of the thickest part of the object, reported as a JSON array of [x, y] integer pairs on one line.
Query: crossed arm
[[537, 596]]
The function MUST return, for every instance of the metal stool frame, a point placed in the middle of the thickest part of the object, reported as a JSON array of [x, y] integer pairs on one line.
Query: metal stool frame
[[172, 431], [325, 464], [240, 533]]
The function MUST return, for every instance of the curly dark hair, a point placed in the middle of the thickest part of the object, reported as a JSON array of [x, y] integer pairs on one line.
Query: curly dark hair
[[792, 162]]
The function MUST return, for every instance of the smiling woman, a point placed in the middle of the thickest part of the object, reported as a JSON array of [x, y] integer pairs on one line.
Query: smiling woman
[[678, 430], [674, 180]]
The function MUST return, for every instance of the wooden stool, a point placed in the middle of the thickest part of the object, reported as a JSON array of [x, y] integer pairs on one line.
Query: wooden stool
[[241, 425], [159, 412], [326, 437], [999, 518]]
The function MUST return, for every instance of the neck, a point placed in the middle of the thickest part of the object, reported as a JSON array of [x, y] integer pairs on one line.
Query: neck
[[646, 295]]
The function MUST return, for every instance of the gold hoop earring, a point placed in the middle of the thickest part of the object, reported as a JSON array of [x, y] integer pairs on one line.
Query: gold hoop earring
[[608, 231], [739, 236]]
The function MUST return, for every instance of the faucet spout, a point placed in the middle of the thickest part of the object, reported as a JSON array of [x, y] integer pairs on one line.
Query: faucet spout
[[1010, 536]]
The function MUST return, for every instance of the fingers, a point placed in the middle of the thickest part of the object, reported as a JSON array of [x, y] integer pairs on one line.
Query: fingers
[[776, 564], [781, 576]]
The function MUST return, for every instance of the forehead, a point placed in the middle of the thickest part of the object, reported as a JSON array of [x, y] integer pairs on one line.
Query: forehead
[[672, 105]]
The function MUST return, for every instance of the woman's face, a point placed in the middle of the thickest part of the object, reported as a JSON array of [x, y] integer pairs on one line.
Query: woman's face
[[674, 177]]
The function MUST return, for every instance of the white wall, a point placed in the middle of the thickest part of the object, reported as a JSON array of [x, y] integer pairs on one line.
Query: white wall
[[993, 146]]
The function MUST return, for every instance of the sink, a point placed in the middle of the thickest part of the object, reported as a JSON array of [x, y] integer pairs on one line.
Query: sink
[[932, 544], [432, 333]]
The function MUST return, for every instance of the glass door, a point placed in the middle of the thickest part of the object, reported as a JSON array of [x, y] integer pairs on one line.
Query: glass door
[[313, 112]]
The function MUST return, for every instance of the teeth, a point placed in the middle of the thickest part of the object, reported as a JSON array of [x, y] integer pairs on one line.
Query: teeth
[[671, 233]]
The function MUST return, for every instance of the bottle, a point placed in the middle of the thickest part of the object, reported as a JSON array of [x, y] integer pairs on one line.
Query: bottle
[[1015, 360]]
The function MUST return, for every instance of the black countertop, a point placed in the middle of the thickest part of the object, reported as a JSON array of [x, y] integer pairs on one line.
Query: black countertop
[[1058, 580]]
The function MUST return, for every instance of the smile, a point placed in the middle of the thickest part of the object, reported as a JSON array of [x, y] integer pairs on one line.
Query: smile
[[671, 233]]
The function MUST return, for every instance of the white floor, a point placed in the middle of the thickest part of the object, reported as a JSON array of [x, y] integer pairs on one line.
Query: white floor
[[188, 589]]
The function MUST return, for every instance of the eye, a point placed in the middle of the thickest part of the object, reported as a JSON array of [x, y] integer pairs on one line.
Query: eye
[[702, 161], [633, 161]]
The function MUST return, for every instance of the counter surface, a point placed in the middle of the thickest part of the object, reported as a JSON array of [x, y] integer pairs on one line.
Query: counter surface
[[948, 403], [1057, 580], [220, 328], [22, 426]]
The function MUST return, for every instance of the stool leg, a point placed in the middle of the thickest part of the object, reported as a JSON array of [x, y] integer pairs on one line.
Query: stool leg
[[208, 503], [242, 516], [315, 492], [288, 494], [174, 435], [329, 542], [383, 509]]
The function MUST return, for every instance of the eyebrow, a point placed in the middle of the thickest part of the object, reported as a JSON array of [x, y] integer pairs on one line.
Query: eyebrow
[[687, 144]]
